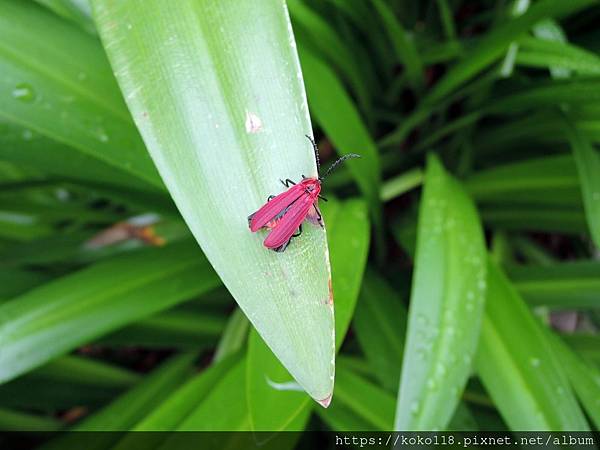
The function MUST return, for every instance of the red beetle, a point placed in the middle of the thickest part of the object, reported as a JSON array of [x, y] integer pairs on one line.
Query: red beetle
[[283, 214]]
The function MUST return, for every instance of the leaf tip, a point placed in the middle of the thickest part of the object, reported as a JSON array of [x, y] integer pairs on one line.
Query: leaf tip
[[326, 401]]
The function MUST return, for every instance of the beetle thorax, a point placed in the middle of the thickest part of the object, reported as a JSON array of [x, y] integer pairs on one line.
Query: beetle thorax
[[312, 186]]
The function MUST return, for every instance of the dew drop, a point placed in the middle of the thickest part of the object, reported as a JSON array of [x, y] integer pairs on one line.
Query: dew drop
[[414, 408], [535, 362], [101, 135], [422, 319], [441, 369], [27, 135], [431, 385], [24, 92]]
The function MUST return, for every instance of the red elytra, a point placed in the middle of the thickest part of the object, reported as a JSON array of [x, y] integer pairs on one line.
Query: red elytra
[[283, 214]]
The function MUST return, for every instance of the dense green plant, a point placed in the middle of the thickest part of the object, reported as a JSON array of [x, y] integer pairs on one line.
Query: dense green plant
[[462, 246]]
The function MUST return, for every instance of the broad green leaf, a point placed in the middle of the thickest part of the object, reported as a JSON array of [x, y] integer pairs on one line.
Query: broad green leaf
[[338, 117], [446, 306], [585, 379], [380, 327], [567, 285], [126, 410], [588, 167], [57, 83], [70, 311], [517, 366], [216, 93], [348, 242]]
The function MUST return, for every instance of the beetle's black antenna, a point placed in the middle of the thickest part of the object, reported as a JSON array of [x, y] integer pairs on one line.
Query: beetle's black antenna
[[337, 163], [316, 149]]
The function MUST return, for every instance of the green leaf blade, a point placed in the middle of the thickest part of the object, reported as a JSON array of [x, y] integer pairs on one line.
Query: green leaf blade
[[232, 125], [446, 304]]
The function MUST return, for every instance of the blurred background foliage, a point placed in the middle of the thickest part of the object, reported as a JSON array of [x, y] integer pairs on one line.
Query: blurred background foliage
[[112, 319]]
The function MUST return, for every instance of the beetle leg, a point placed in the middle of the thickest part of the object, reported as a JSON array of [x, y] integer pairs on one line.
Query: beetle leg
[[271, 197], [287, 182], [299, 231], [282, 247]]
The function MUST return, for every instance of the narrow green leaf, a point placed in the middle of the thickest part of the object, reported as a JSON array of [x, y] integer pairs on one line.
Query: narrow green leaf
[[224, 409], [15, 281], [336, 114], [586, 345], [446, 306], [348, 243], [585, 379], [380, 327], [517, 367], [125, 411], [495, 43], [567, 285], [488, 50], [77, 11], [588, 167], [27, 148], [216, 92], [447, 19], [401, 184], [57, 83], [234, 336], [325, 38], [179, 329], [568, 220], [527, 181], [70, 311], [272, 407], [405, 48], [168, 415], [552, 55], [11, 421], [83, 371], [340, 418]]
